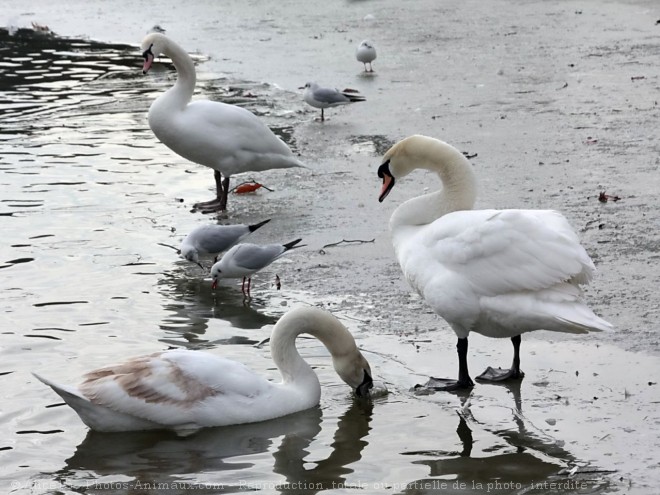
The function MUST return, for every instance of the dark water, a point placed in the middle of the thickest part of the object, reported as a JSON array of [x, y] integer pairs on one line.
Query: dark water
[[90, 202]]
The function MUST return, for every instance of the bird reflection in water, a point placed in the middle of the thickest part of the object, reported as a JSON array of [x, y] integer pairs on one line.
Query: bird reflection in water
[[223, 456], [526, 463], [191, 304]]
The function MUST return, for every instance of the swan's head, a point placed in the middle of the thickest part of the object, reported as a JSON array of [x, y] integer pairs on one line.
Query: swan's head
[[354, 369], [407, 155], [216, 274], [396, 163], [152, 46]]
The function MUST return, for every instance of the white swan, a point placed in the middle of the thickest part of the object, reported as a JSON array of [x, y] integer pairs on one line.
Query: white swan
[[366, 53], [499, 273], [226, 138], [185, 390]]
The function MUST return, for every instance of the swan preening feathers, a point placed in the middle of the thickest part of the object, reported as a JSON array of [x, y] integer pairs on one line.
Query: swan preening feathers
[[226, 138], [499, 273], [185, 390]]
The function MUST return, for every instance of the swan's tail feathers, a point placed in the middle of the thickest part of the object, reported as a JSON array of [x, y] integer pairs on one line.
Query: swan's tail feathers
[[587, 322], [293, 244], [257, 225], [69, 394], [97, 417]]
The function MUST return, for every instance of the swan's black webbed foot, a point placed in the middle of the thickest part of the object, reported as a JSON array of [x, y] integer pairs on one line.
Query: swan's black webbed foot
[[212, 206], [442, 385], [500, 374]]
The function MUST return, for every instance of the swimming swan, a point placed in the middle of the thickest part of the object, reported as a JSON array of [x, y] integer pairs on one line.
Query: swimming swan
[[226, 138], [186, 390], [499, 273]]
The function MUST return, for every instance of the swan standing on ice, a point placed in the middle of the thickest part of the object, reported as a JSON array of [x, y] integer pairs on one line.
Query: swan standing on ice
[[499, 273], [366, 53], [214, 239], [322, 98], [186, 390], [226, 138], [244, 260]]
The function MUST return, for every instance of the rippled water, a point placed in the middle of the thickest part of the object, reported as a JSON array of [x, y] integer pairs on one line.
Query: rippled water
[[90, 204]]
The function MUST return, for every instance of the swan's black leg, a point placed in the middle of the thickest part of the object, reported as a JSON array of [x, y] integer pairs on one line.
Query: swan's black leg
[[222, 192], [445, 384], [499, 374], [214, 204], [225, 194]]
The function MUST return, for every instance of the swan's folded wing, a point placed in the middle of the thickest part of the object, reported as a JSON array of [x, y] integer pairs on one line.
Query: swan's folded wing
[[502, 251], [237, 136], [169, 387]]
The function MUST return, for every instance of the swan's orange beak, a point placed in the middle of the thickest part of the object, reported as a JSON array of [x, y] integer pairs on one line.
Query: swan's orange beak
[[388, 180], [147, 64], [149, 57], [388, 184]]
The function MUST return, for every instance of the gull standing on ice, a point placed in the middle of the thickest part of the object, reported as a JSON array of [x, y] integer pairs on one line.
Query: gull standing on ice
[[366, 53], [227, 138], [319, 97], [244, 260], [214, 239]]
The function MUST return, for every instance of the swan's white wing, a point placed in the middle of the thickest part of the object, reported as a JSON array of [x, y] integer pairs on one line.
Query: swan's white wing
[[233, 136], [174, 387], [502, 251]]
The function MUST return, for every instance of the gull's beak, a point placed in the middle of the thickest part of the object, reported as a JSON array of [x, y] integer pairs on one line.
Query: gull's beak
[[214, 284]]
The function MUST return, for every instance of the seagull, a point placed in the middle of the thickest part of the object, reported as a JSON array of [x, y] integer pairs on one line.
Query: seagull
[[214, 239], [244, 260], [319, 97], [366, 53], [227, 138]]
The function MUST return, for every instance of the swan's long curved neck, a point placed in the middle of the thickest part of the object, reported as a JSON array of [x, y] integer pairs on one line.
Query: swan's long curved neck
[[286, 356], [182, 91], [459, 185]]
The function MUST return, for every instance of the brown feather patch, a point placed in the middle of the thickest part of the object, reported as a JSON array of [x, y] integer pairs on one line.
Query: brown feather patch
[[132, 376]]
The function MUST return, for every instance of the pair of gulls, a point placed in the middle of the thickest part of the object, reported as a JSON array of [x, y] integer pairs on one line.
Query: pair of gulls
[[242, 260], [500, 273]]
